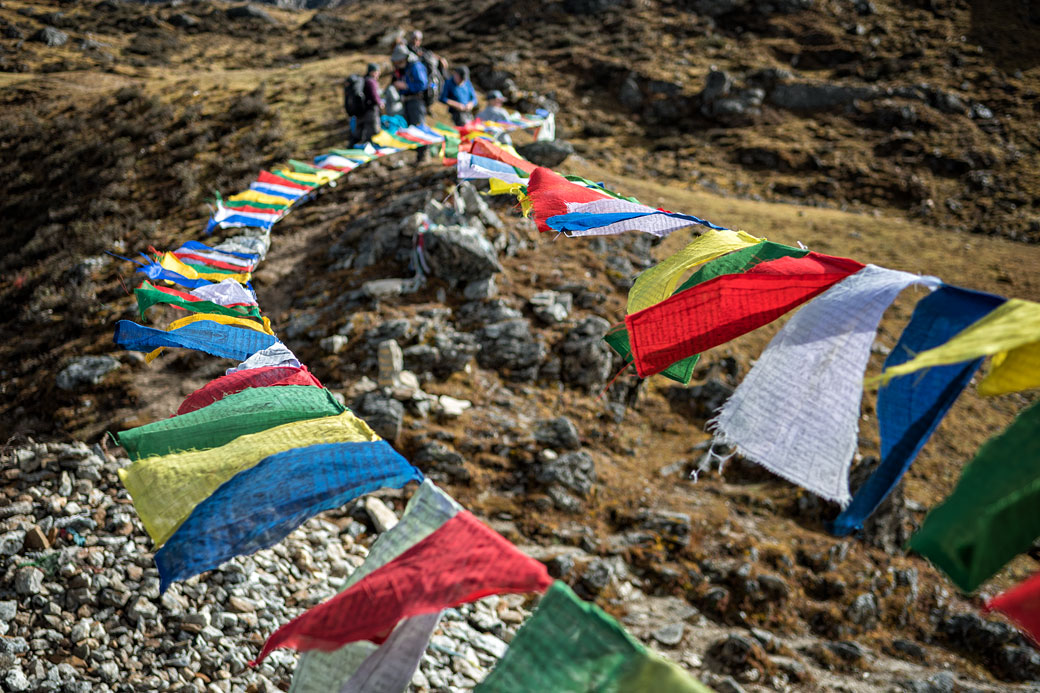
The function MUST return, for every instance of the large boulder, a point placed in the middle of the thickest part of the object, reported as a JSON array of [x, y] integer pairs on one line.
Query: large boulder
[[461, 254], [546, 153], [86, 370], [510, 348], [586, 360]]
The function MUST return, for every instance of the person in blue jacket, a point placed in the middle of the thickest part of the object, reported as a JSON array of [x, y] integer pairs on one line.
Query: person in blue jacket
[[411, 82], [459, 95]]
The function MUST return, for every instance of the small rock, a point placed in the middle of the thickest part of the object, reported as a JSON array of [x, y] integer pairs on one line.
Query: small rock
[[52, 37], [391, 363], [28, 581], [384, 288], [452, 408], [383, 413], [864, 610], [36, 540], [558, 433], [728, 685], [575, 470], [241, 605], [382, 516], [670, 634], [86, 370], [16, 681], [8, 610], [249, 12], [480, 288], [334, 344]]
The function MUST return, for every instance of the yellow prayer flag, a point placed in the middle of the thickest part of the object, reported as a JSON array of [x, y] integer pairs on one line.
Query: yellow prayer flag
[[385, 139], [322, 177], [657, 283], [224, 320], [171, 262], [166, 488], [1010, 333], [262, 198]]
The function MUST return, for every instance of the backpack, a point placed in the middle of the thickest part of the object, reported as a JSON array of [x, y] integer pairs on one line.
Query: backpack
[[433, 76], [354, 100]]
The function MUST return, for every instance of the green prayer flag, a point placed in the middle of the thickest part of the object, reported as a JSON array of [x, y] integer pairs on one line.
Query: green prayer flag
[[250, 411], [991, 516], [234, 204], [147, 296], [731, 263], [567, 646], [302, 167]]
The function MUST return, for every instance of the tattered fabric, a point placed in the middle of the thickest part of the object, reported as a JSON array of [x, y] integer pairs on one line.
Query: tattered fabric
[[390, 668], [255, 196], [461, 562], [427, 510], [652, 672], [260, 506], [657, 283], [911, 406], [1021, 604], [226, 293], [166, 489], [566, 646], [797, 411], [726, 307], [991, 516], [208, 336], [269, 376], [248, 411], [169, 261], [473, 167], [276, 355], [1011, 334]]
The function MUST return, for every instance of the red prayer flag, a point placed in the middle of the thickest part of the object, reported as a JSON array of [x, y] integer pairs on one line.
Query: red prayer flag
[[550, 192], [268, 178], [461, 562], [268, 376], [493, 151], [1021, 604], [723, 308]]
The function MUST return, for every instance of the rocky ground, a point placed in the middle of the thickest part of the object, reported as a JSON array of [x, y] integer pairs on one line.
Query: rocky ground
[[497, 385]]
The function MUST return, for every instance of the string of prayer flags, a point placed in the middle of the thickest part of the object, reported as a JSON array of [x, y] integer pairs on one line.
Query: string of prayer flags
[[911, 406], [166, 489], [461, 562], [728, 306], [391, 666], [269, 376], [156, 272], [249, 411], [231, 217], [1011, 334], [659, 282], [731, 263], [427, 510], [572, 646], [211, 337], [797, 411], [1021, 604], [260, 506], [281, 180], [203, 249], [991, 515]]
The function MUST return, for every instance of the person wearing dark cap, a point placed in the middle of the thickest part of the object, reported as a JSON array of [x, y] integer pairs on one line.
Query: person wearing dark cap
[[369, 123], [495, 111], [459, 95]]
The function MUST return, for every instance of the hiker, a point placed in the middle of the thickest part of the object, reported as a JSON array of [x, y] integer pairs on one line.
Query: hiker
[[459, 95], [435, 65], [411, 81], [366, 105], [494, 110]]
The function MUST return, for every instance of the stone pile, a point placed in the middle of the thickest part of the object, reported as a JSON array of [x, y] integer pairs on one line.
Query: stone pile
[[80, 609]]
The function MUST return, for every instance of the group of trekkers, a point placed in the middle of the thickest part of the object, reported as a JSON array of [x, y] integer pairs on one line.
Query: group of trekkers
[[420, 78]]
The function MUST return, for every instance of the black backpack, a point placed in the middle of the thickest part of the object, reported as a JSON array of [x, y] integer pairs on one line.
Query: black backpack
[[354, 100]]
